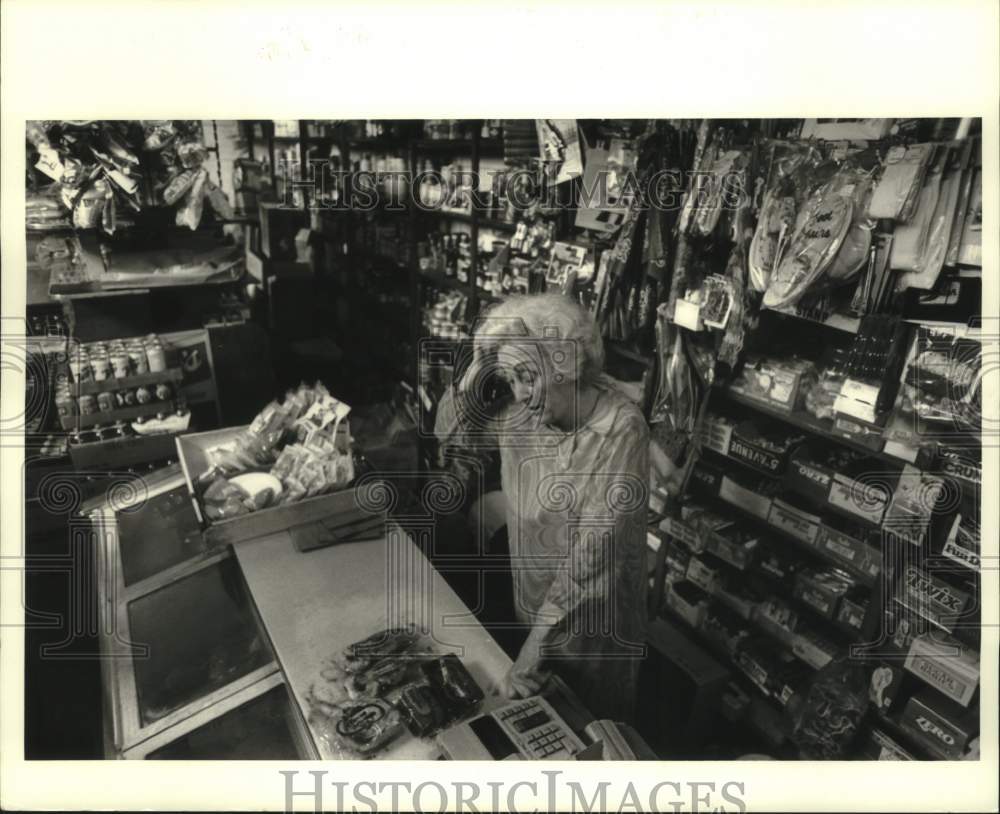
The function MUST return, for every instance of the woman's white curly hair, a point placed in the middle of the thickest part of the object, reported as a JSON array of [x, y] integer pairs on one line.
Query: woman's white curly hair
[[554, 324]]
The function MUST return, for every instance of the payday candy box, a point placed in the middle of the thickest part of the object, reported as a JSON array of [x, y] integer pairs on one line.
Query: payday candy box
[[946, 664], [936, 600], [847, 481], [942, 725], [764, 448]]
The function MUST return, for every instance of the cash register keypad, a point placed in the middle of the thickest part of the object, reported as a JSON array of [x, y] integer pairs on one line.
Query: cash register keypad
[[538, 733]]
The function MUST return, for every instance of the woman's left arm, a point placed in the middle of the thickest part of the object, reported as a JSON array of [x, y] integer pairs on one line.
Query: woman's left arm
[[614, 489]]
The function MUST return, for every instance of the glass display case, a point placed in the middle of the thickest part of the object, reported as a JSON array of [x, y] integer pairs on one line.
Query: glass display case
[[191, 638], [186, 664], [265, 727], [159, 534]]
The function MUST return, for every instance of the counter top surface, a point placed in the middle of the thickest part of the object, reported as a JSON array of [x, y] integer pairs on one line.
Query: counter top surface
[[316, 603]]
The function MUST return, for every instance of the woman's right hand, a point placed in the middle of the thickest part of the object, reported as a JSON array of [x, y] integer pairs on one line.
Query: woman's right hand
[[518, 683]]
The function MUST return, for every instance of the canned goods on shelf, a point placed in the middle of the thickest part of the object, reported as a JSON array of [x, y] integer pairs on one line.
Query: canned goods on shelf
[[163, 391], [128, 396], [138, 362], [156, 358], [143, 395], [106, 402], [120, 364], [100, 366], [87, 405], [66, 405]]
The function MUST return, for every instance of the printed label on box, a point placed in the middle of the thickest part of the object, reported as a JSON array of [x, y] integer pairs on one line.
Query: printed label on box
[[856, 552], [857, 498], [717, 436], [798, 524], [753, 455], [753, 502]]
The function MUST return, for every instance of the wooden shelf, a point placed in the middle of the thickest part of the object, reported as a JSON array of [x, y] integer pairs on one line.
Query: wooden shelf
[[121, 414], [174, 374]]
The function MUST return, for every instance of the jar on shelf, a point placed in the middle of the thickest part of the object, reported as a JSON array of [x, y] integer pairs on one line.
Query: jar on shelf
[[100, 365], [156, 356], [87, 404], [106, 402], [138, 362], [120, 363]]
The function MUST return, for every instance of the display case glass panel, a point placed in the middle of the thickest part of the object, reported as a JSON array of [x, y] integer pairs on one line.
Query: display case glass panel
[[161, 533], [200, 634], [261, 729]]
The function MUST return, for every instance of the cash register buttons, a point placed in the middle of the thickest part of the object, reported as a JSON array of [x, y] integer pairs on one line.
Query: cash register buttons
[[537, 719]]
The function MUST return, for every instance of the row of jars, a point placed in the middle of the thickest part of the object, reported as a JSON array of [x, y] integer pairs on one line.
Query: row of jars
[[117, 359], [87, 404]]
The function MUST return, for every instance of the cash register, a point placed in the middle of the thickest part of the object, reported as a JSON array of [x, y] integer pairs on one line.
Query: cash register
[[526, 729]]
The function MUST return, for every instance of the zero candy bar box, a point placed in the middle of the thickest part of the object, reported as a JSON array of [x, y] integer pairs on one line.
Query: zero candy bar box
[[946, 664], [945, 727]]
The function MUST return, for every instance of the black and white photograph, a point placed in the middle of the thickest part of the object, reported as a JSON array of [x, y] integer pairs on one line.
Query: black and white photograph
[[365, 441]]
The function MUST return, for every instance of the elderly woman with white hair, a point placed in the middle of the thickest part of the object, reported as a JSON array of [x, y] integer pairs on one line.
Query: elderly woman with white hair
[[574, 473]]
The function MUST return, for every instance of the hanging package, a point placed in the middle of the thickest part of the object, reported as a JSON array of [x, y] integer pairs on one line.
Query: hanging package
[[812, 249], [910, 238], [896, 195]]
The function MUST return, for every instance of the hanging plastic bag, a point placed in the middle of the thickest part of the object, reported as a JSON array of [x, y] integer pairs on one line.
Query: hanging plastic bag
[[812, 249]]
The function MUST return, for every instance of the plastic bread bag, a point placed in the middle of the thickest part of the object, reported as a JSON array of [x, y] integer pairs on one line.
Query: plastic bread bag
[[157, 134], [189, 213], [811, 251], [219, 202], [178, 186], [191, 154]]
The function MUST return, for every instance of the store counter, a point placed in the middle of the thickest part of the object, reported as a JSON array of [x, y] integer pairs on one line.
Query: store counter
[[314, 604]]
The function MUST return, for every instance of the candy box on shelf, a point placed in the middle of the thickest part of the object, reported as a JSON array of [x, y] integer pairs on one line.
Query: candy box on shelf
[[849, 543], [946, 664], [821, 590], [773, 382], [942, 725], [763, 445], [794, 521], [689, 602], [879, 745], [936, 600], [733, 545]]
